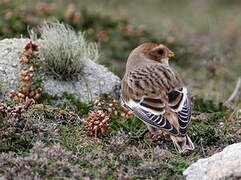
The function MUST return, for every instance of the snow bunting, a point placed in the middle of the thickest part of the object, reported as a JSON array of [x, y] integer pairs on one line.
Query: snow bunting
[[156, 94]]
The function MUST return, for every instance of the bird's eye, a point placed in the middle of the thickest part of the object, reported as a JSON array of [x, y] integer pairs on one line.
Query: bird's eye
[[160, 51]]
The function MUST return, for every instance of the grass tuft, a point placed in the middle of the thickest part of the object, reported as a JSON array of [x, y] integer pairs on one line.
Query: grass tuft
[[64, 51]]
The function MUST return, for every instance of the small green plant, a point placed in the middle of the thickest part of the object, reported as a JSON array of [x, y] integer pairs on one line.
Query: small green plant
[[64, 51], [202, 105], [69, 101]]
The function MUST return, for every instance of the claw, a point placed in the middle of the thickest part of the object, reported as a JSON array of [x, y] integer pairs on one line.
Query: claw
[[141, 136]]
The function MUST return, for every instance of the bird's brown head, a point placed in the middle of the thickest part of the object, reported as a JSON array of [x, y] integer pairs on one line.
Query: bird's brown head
[[148, 53], [155, 52]]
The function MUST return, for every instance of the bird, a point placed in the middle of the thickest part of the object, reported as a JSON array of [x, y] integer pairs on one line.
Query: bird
[[156, 94]]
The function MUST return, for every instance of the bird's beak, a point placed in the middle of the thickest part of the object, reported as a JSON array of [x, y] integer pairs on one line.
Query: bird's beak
[[170, 54]]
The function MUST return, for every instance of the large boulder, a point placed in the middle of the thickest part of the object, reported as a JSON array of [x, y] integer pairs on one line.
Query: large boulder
[[88, 85], [223, 165]]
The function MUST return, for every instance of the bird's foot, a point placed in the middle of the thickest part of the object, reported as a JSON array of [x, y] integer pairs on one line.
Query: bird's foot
[[160, 135], [141, 136], [137, 138]]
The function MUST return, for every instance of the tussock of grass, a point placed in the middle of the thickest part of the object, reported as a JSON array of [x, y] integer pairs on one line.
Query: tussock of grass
[[64, 51]]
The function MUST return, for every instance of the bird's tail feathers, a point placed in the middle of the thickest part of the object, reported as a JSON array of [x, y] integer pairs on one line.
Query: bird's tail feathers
[[182, 144]]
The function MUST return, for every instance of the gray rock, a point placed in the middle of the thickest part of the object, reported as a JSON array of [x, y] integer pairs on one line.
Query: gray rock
[[222, 165], [94, 79]]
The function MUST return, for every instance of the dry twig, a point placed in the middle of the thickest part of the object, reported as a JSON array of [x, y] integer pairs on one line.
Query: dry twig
[[234, 92]]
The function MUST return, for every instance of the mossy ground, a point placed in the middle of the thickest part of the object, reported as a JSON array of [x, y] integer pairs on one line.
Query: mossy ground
[[207, 57], [113, 156]]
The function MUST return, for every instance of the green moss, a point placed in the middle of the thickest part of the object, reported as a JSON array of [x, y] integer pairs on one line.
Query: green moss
[[179, 166], [67, 101], [47, 99], [80, 107]]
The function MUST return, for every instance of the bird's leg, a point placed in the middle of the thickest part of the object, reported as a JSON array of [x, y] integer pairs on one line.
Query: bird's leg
[[141, 136]]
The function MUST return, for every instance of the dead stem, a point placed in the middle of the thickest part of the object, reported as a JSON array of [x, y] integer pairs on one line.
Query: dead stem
[[234, 92]]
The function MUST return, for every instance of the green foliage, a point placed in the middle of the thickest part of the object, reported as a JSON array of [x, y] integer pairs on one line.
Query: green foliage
[[201, 105], [75, 104], [64, 52], [179, 165], [205, 133], [45, 98], [134, 126], [68, 101]]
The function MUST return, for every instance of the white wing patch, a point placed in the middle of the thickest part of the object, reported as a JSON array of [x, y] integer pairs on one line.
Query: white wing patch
[[184, 113]]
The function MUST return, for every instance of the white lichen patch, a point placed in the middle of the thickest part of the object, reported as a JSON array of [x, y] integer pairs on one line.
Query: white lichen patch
[[10, 57]]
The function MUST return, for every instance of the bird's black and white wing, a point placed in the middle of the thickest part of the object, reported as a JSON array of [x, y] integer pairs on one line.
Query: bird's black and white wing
[[151, 107]]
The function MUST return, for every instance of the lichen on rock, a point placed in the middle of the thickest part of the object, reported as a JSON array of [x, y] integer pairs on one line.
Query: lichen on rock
[[223, 165]]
